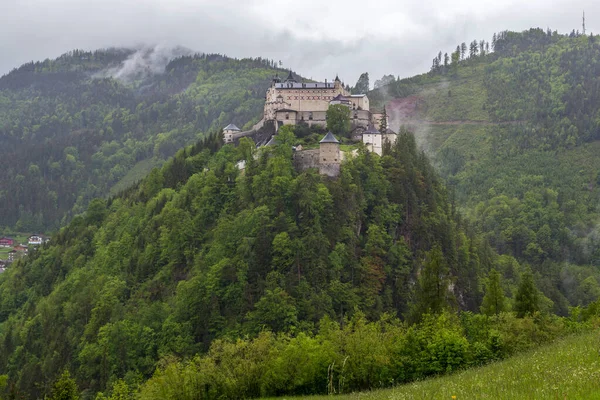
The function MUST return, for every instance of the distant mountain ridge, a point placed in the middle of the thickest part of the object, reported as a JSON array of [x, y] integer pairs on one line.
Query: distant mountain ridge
[[73, 127]]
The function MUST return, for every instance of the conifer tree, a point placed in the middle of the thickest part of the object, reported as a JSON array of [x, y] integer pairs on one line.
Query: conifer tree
[[463, 50], [383, 122], [432, 294], [527, 298], [473, 49], [494, 301], [65, 388]]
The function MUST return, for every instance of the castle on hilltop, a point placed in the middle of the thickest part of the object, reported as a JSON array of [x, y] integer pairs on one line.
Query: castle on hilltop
[[290, 102]]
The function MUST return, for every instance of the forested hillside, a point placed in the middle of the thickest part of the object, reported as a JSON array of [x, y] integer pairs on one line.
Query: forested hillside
[[515, 133], [199, 251], [88, 123]]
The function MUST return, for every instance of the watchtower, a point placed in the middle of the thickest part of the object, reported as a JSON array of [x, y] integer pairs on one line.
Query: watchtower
[[228, 133]]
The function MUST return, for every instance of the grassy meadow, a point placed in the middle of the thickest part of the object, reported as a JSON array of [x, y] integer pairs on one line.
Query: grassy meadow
[[567, 369]]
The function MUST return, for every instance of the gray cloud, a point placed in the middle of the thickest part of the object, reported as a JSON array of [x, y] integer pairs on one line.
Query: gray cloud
[[315, 38]]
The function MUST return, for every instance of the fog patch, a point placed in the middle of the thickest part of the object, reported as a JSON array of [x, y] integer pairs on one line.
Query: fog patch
[[145, 62]]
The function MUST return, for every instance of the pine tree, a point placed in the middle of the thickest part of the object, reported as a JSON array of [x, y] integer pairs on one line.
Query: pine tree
[[463, 50], [482, 48], [494, 301], [446, 60], [527, 298], [473, 49], [383, 122], [432, 294]]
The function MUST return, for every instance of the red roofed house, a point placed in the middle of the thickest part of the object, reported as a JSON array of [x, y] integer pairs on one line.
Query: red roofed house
[[7, 242]]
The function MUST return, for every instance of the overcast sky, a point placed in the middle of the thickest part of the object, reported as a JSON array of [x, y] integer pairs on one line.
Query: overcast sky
[[316, 38]]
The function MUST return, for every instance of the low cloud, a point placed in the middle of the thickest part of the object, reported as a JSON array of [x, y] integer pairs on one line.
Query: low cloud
[[317, 39], [145, 62]]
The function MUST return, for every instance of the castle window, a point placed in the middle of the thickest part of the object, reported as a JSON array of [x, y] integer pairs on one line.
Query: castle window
[[355, 115], [287, 116], [310, 115]]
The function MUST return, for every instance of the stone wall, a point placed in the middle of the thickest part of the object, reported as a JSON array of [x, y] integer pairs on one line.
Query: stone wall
[[306, 159], [260, 136], [330, 170], [329, 153]]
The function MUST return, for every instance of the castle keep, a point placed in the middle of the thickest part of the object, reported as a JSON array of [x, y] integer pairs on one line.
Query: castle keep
[[290, 102]]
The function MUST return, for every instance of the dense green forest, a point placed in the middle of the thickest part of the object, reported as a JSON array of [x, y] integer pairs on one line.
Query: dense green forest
[[199, 251], [514, 134], [71, 129]]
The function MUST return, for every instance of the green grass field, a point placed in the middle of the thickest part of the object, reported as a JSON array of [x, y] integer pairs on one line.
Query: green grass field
[[568, 369]]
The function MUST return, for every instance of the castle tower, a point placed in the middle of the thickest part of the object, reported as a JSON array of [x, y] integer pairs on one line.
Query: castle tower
[[290, 78], [337, 84], [228, 133], [329, 156]]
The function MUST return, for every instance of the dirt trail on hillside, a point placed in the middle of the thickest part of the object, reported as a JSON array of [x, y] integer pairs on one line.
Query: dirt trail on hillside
[[460, 122], [405, 111]]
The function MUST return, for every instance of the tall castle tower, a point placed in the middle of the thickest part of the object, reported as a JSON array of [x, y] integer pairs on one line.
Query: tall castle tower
[[329, 156]]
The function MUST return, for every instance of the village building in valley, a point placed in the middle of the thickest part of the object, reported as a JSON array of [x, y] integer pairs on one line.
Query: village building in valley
[[7, 242]]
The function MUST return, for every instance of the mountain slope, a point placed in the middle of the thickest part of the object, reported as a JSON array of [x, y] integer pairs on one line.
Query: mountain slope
[[72, 128], [514, 133]]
